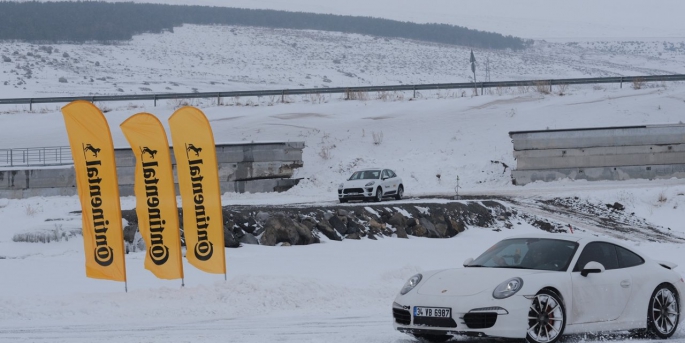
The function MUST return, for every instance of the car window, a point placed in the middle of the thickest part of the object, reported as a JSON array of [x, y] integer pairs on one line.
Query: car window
[[365, 175], [528, 253], [391, 173], [385, 174], [627, 258], [601, 252]]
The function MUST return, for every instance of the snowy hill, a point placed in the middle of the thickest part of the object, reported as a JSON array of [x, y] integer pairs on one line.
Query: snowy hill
[[241, 58]]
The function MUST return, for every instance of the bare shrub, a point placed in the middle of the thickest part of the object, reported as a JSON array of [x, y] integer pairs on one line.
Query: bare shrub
[[325, 152], [132, 106], [178, 103], [662, 198], [543, 87], [31, 211], [317, 98], [597, 88], [103, 107], [499, 90], [562, 89], [383, 95], [638, 83], [377, 137], [356, 95], [523, 89], [55, 235]]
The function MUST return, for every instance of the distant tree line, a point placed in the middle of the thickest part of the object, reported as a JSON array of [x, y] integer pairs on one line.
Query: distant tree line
[[85, 21]]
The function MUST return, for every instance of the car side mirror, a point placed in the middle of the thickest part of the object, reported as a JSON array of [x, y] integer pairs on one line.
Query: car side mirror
[[592, 267], [468, 261]]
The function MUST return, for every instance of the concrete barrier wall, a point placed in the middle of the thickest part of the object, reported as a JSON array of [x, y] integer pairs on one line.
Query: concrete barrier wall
[[598, 137], [255, 167], [618, 153]]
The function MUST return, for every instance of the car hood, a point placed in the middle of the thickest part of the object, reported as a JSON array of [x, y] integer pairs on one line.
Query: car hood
[[469, 281], [357, 183]]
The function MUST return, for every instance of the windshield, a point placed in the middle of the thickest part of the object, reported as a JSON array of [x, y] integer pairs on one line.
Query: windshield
[[366, 175], [528, 253]]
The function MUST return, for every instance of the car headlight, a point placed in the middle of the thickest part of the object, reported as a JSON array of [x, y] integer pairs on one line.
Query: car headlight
[[341, 185], [370, 184], [411, 283], [508, 288]]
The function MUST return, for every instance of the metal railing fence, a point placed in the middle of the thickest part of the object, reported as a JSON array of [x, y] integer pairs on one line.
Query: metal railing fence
[[27, 157], [347, 90]]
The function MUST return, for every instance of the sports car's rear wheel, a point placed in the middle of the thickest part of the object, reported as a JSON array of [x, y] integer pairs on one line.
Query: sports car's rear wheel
[[546, 318], [400, 193], [433, 338], [343, 200], [662, 319]]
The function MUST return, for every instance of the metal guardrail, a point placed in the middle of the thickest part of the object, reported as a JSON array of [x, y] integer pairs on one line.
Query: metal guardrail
[[47, 156], [53, 156], [347, 90]]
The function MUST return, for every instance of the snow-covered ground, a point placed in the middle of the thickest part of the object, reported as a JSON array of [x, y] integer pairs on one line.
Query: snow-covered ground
[[333, 291]]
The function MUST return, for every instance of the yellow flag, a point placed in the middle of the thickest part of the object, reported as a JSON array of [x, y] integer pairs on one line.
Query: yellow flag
[[198, 181], [155, 195], [98, 190]]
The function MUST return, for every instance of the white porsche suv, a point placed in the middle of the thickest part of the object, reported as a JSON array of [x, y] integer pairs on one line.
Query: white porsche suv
[[374, 184]]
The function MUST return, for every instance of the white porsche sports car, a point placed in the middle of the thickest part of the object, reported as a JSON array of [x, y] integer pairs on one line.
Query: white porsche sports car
[[541, 287], [372, 184]]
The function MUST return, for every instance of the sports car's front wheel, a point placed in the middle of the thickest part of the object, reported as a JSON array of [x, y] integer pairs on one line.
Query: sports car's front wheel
[[546, 318], [663, 315]]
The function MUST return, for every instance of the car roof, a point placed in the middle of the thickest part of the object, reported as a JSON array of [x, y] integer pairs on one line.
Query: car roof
[[562, 236], [580, 238], [369, 169]]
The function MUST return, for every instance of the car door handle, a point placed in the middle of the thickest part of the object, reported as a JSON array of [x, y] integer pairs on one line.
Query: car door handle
[[625, 283]]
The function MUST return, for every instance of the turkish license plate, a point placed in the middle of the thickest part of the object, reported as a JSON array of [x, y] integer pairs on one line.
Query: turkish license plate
[[439, 312]]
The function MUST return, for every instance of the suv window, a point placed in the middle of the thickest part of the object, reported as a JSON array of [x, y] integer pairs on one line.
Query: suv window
[[603, 253], [385, 174], [627, 258], [391, 173]]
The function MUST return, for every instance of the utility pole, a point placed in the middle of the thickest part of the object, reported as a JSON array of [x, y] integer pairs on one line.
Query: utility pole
[[473, 69], [456, 189]]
